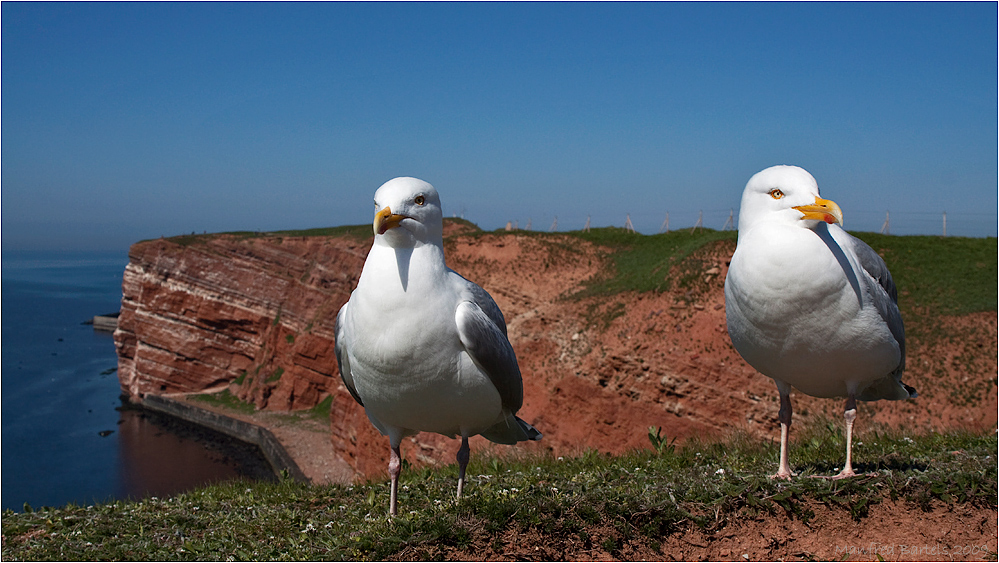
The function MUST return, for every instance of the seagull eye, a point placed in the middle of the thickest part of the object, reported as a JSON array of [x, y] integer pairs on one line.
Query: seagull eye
[[419, 200], [776, 194]]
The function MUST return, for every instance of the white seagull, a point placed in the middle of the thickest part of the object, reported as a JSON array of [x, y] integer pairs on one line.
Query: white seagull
[[809, 305], [420, 347]]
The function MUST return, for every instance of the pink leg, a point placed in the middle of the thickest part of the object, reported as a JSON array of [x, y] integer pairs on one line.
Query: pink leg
[[784, 469], [850, 414], [463, 456], [394, 468]]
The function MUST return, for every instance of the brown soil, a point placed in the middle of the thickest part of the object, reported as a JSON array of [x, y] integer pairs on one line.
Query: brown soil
[[890, 532]]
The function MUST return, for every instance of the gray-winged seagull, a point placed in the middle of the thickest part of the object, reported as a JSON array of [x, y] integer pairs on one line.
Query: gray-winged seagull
[[809, 305], [420, 347]]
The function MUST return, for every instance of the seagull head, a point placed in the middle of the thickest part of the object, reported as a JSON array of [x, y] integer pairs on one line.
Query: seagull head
[[407, 213], [786, 194]]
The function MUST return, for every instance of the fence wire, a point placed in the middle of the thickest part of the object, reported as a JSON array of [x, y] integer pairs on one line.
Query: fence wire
[[960, 224]]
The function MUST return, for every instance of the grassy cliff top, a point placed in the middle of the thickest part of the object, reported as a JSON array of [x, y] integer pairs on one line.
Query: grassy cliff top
[[639, 499], [938, 275]]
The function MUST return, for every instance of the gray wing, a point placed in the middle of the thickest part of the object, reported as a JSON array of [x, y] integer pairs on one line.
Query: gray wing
[[886, 300], [483, 333], [485, 302], [874, 265], [342, 360]]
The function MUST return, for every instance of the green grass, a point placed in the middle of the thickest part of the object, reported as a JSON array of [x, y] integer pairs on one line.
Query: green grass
[[643, 262], [936, 275], [225, 399], [322, 410], [357, 231], [275, 375], [642, 496], [940, 275], [951, 276]]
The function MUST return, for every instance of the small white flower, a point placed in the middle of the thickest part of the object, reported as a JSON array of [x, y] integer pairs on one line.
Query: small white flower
[[720, 471]]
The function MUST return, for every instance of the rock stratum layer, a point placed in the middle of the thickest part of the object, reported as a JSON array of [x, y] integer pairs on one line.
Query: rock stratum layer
[[256, 314]]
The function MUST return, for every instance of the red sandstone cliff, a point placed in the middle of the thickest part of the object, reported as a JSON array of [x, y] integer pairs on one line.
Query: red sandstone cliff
[[201, 313], [256, 314]]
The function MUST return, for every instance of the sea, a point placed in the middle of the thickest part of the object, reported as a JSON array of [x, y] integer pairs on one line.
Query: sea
[[66, 436]]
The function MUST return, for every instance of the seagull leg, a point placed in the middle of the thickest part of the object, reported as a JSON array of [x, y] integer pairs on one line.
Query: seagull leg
[[394, 468], [784, 469], [463, 456], [850, 414]]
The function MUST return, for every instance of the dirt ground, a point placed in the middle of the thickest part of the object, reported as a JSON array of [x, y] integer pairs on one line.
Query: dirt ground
[[891, 532]]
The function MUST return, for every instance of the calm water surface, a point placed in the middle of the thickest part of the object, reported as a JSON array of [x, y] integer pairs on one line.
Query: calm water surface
[[64, 436]]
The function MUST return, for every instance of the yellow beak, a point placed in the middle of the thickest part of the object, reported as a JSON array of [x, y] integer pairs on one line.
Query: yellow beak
[[822, 210], [385, 220]]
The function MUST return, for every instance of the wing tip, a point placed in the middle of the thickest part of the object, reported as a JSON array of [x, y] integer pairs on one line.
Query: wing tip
[[532, 433]]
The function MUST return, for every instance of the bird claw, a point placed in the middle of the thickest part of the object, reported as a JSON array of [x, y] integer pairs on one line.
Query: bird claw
[[836, 477], [782, 475]]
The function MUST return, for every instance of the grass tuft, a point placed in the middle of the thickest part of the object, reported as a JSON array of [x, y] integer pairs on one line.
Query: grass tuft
[[643, 262], [948, 275], [225, 399], [643, 496]]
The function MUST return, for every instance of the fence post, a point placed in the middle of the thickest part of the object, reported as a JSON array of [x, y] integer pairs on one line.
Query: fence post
[[627, 224], [700, 221]]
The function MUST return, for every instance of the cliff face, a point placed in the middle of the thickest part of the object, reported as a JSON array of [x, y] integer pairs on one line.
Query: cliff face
[[257, 314]]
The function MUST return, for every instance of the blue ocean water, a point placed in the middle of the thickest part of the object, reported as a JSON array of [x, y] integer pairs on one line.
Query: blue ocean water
[[64, 436]]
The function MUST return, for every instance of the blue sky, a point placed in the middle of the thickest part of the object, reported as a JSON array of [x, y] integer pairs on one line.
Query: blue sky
[[127, 121]]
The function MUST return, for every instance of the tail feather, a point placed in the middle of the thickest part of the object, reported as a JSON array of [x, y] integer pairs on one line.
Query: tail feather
[[511, 430], [888, 388]]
